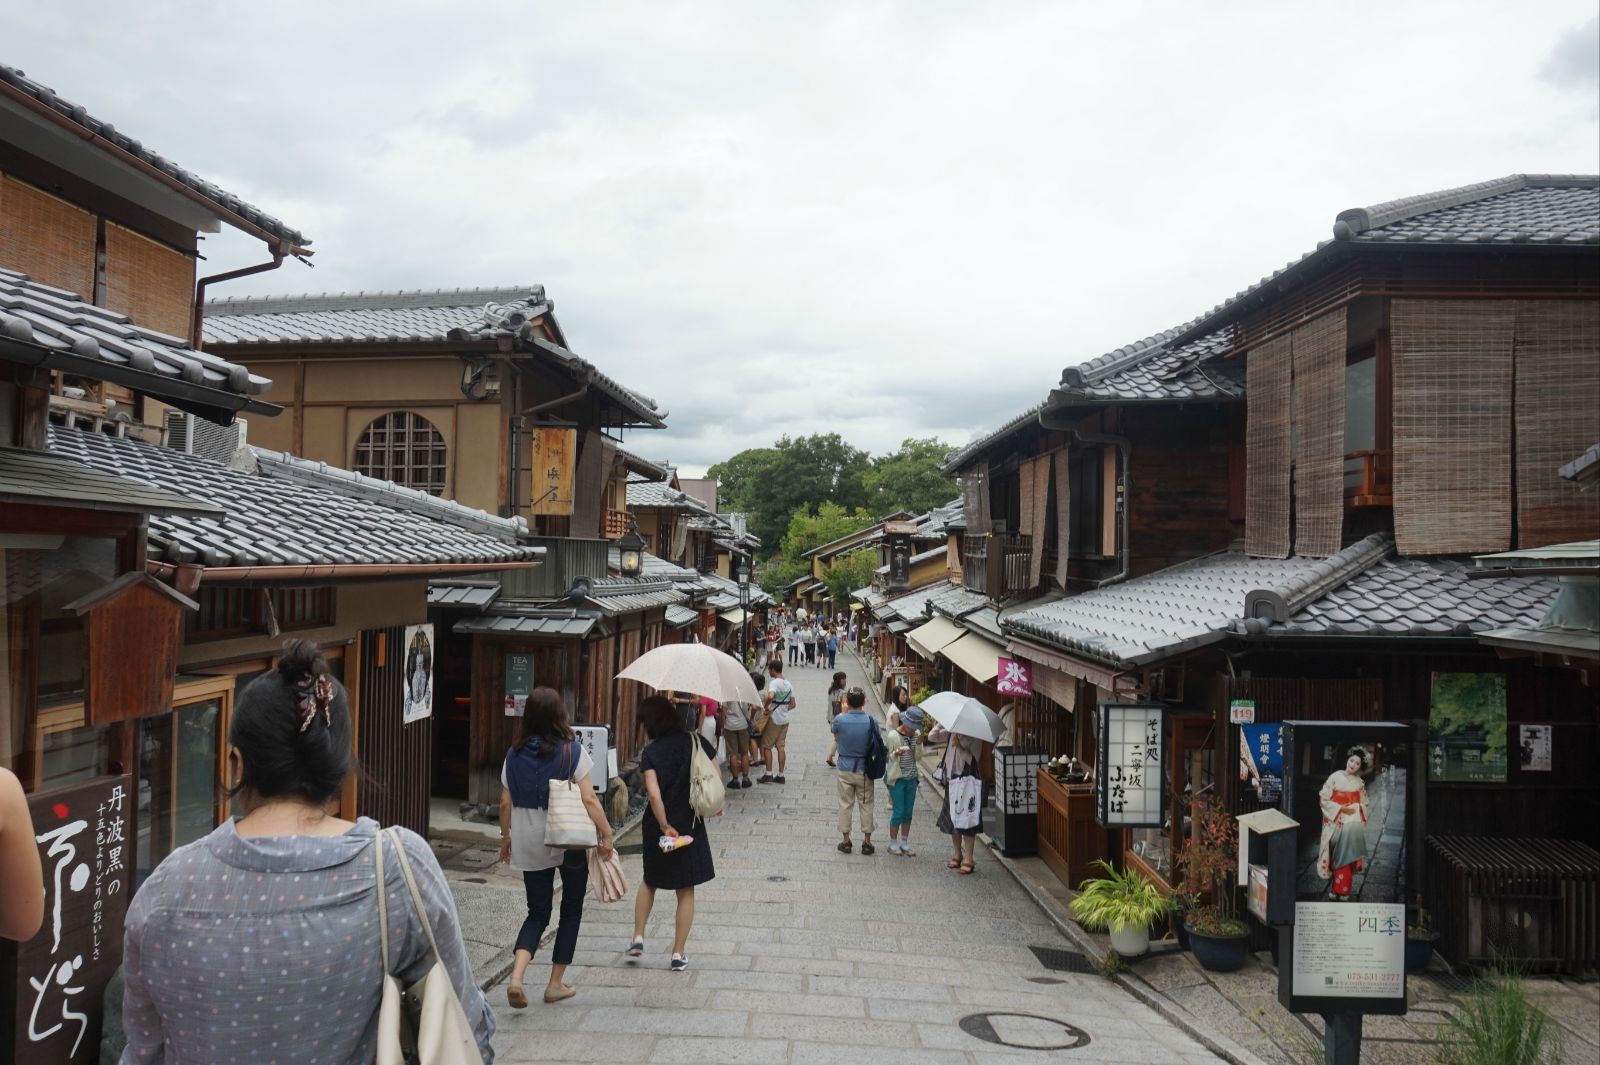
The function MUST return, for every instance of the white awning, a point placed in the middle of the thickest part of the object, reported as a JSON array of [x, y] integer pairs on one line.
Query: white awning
[[930, 638], [976, 657], [734, 616]]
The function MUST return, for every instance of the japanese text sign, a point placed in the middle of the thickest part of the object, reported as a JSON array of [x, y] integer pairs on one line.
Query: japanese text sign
[[85, 838], [1261, 760], [1016, 677], [1130, 785], [596, 739], [1355, 950], [519, 683], [555, 455]]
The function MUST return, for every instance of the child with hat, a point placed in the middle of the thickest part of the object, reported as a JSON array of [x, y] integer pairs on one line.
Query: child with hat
[[902, 738]]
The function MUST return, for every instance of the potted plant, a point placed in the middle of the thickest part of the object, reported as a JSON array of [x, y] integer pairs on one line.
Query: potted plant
[[1219, 940], [1420, 940], [1122, 903]]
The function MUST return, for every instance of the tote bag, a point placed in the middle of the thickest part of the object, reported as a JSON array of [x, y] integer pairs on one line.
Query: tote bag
[[706, 791], [424, 1022], [607, 883], [567, 824], [966, 802]]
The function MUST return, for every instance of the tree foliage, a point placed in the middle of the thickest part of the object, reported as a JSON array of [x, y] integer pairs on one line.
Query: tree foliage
[[850, 572], [777, 574], [909, 479], [770, 483], [829, 523]]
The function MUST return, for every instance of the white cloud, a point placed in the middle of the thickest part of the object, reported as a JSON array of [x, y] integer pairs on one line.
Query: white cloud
[[875, 218]]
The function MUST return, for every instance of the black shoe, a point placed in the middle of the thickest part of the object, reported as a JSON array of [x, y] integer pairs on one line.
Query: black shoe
[[745, 783], [778, 779], [766, 778]]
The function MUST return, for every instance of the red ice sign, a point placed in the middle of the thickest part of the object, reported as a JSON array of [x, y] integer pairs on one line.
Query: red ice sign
[[1016, 677]]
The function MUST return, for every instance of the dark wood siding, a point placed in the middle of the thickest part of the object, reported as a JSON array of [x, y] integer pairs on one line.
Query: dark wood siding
[[1179, 484], [396, 758]]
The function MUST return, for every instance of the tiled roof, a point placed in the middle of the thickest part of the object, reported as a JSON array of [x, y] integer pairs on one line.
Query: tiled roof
[[349, 317], [1416, 597], [276, 520], [1181, 607], [458, 593], [68, 333], [1152, 370], [729, 586], [963, 455], [956, 600], [625, 595], [681, 617], [511, 619], [39, 477], [911, 605], [76, 113], [647, 469], [940, 521], [1584, 468], [924, 556], [659, 495]]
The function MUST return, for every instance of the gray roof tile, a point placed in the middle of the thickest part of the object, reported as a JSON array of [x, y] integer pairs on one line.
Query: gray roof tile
[[347, 317], [274, 519], [223, 199], [459, 593], [658, 495], [1429, 596], [38, 477]]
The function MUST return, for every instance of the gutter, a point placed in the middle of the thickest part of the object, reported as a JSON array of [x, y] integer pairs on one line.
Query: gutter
[[196, 339], [170, 572]]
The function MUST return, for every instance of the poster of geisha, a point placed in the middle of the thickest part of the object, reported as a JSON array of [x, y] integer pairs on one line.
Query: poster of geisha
[[418, 681], [1347, 783], [85, 838]]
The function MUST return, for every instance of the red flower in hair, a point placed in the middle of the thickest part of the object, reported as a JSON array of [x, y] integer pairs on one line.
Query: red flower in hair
[[317, 695]]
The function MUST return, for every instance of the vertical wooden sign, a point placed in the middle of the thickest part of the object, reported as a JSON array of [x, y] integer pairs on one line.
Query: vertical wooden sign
[[554, 459]]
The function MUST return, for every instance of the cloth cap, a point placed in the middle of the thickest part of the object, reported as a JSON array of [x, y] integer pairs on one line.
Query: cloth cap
[[913, 718]]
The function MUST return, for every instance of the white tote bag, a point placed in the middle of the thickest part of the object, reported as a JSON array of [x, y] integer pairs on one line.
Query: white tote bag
[[966, 802], [424, 1022], [706, 790], [567, 824]]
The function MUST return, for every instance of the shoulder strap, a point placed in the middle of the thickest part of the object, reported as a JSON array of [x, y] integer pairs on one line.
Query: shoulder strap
[[416, 896], [383, 903]]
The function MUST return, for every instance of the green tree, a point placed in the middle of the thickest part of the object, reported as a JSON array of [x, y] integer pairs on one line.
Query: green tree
[[830, 522], [776, 575], [909, 479], [770, 483], [850, 572]]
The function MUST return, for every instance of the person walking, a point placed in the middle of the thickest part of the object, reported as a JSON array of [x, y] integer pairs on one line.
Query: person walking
[[780, 703], [546, 749], [835, 708], [736, 737], [899, 703], [833, 645], [666, 765], [903, 739], [852, 729], [793, 630], [211, 936], [960, 761], [811, 644]]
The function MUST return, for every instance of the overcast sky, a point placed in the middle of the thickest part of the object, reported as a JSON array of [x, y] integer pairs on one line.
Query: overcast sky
[[884, 219]]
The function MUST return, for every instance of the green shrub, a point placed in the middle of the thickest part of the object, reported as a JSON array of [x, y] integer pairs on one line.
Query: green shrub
[[1117, 900], [1496, 1024]]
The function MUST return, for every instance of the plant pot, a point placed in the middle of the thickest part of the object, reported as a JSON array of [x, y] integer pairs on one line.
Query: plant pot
[[1219, 954], [1419, 952], [1130, 941]]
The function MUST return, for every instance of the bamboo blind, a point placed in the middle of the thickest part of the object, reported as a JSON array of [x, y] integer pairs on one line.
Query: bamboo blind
[[1036, 512], [46, 238], [1063, 462], [1452, 425], [1558, 382], [974, 500], [1025, 508], [1267, 386], [1319, 387], [149, 282]]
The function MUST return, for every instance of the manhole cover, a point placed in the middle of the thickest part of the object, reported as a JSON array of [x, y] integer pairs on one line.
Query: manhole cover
[[1025, 1031], [1062, 961], [473, 880], [1044, 980], [778, 879]]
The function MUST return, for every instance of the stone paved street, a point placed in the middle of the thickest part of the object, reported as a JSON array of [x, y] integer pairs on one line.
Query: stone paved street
[[803, 955]]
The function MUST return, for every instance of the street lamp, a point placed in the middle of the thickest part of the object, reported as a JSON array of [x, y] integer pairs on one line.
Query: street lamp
[[630, 551], [744, 607]]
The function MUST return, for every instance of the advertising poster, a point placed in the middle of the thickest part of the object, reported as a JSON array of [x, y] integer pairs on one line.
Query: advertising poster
[[1350, 951], [596, 739], [418, 698], [1533, 748], [1261, 760], [1346, 783], [1467, 728], [519, 683]]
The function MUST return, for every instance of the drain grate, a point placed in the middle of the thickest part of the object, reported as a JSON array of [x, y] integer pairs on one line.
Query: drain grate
[[473, 880], [1062, 961], [778, 879], [1026, 1031]]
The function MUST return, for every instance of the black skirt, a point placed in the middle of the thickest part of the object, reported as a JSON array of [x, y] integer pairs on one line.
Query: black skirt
[[688, 866]]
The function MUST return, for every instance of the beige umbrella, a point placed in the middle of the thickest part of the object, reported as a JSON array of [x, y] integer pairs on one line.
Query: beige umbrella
[[964, 715], [694, 667]]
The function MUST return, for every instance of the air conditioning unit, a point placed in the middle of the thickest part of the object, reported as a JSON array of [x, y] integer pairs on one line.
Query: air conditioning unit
[[193, 435]]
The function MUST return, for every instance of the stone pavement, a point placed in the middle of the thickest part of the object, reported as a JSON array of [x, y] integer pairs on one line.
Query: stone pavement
[[801, 954]]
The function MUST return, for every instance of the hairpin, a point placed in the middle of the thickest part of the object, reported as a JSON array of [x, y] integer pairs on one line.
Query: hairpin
[[312, 697]]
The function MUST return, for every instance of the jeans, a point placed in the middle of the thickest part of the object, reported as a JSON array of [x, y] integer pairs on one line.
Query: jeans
[[540, 885], [833, 653], [794, 654]]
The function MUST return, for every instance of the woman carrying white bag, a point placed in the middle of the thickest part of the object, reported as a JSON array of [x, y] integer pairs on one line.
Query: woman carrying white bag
[[549, 817]]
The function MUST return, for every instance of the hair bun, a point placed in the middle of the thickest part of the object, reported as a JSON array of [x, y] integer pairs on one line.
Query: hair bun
[[301, 660]]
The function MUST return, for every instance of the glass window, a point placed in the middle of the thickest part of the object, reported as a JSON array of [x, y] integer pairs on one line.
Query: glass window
[[71, 755], [1360, 405], [179, 791]]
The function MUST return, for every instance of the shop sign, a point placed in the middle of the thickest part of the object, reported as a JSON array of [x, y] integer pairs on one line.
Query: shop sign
[[1350, 951], [596, 739], [84, 834], [1016, 677], [555, 457], [1261, 760], [519, 683], [1130, 786], [1241, 711], [1533, 749], [417, 701]]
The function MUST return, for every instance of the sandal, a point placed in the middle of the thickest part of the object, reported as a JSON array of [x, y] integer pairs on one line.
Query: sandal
[[516, 997], [867, 848], [953, 863], [846, 847], [967, 869], [565, 991]]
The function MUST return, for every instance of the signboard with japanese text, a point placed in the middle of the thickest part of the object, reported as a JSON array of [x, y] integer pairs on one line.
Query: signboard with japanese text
[[417, 700], [1533, 748], [519, 683], [1241, 711], [1130, 784], [1016, 677], [1354, 951], [553, 460], [84, 833], [1261, 760], [596, 739]]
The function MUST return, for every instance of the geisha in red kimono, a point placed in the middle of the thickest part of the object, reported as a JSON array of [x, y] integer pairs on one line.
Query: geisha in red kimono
[[1343, 850]]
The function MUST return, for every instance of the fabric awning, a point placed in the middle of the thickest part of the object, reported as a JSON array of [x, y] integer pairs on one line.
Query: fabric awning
[[931, 638], [734, 616], [975, 656]]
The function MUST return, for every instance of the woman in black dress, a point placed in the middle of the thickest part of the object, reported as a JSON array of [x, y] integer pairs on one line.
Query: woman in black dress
[[665, 765]]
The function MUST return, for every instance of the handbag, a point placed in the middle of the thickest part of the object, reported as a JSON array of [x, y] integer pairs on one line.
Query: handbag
[[966, 802], [706, 790], [567, 824], [423, 1023], [607, 882], [877, 759]]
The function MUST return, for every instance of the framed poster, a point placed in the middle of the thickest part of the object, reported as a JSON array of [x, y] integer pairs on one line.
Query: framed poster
[[1349, 952], [1130, 781], [518, 683], [85, 847], [1347, 783], [596, 739], [1533, 747], [1261, 760], [417, 701], [1467, 728]]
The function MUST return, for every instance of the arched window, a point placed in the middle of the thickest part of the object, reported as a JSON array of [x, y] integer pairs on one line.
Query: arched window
[[404, 448]]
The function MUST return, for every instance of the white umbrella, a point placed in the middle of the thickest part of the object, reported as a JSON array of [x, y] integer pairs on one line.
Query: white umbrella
[[964, 716], [693, 667]]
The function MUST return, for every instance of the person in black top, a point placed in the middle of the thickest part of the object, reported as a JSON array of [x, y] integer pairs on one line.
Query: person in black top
[[665, 766]]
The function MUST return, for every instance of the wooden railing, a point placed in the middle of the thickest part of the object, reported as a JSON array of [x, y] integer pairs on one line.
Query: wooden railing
[[998, 565], [616, 524], [1369, 478]]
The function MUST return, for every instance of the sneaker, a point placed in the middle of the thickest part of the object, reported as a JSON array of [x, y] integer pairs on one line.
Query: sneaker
[[679, 963], [778, 779], [906, 851], [635, 948], [766, 778], [894, 846]]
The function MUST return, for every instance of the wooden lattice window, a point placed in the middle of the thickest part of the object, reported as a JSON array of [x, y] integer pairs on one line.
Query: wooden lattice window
[[230, 613], [404, 448]]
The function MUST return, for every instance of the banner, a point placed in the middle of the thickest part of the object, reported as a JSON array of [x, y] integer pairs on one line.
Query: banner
[[553, 460], [1261, 760], [417, 700], [1016, 677], [1130, 785], [519, 683]]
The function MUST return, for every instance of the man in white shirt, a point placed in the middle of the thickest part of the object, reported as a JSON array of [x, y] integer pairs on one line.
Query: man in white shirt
[[780, 703]]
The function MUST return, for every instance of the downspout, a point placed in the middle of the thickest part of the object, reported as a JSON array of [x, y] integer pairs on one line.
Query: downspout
[[195, 339], [550, 404], [1123, 445]]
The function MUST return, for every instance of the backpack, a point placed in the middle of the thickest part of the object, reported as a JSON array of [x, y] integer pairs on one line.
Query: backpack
[[706, 790], [877, 759]]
